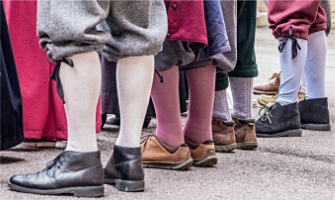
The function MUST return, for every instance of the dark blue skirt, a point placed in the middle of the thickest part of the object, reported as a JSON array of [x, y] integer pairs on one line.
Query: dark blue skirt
[[11, 102]]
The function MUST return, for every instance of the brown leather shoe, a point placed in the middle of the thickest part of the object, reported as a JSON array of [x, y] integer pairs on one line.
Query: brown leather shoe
[[223, 135], [203, 155], [270, 87], [245, 133], [155, 155]]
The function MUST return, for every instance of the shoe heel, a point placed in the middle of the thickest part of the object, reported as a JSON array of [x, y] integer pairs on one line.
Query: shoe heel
[[316, 127], [129, 186], [89, 191]]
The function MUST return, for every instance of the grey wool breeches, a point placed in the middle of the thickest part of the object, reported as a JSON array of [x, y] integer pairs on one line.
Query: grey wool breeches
[[127, 28]]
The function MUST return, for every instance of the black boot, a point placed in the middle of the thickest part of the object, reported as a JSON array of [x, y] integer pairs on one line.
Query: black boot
[[279, 121], [70, 172], [314, 114], [125, 170]]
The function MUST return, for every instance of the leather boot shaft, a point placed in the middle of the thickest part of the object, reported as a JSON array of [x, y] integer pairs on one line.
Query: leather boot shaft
[[125, 164], [314, 111]]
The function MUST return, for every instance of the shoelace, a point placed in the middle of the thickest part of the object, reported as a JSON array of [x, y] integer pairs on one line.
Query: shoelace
[[51, 163], [295, 44], [54, 76], [144, 139], [266, 114]]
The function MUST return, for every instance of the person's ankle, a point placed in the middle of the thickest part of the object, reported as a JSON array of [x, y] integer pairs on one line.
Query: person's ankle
[[127, 144], [168, 147], [75, 148]]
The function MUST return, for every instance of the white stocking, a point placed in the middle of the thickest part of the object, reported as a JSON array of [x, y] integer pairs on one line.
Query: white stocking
[[81, 86], [134, 82]]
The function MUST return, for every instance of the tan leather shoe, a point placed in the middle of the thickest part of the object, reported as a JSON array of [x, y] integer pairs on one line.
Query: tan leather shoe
[[203, 155], [269, 100], [245, 134], [270, 87], [264, 99], [155, 155], [223, 135]]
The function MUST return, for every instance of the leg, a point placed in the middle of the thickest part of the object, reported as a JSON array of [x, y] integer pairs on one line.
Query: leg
[[166, 101], [283, 118], [134, 80], [201, 83], [315, 67], [77, 170], [81, 85], [220, 106], [241, 78], [222, 124], [314, 112], [241, 88], [166, 148], [136, 38]]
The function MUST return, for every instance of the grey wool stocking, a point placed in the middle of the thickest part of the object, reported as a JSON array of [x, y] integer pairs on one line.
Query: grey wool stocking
[[241, 88], [220, 106]]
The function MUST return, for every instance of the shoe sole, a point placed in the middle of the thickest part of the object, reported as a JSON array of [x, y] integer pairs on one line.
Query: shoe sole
[[316, 127], [80, 191], [289, 133], [209, 160], [126, 185], [225, 148], [247, 145], [264, 92], [180, 166]]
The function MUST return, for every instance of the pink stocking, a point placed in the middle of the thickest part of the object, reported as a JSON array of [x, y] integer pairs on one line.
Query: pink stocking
[[201, 83], [166, 101]]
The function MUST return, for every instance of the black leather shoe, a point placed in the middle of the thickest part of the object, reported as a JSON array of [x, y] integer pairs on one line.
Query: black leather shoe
[[125, 170], [70, 172], [279, 121], [115, 121], [314, 114]]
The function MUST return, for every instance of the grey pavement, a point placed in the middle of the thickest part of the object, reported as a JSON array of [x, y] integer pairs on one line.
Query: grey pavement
[[281, 168]]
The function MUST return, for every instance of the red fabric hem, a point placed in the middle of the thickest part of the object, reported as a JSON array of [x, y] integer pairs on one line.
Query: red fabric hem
[[318, 28], [303, 36]]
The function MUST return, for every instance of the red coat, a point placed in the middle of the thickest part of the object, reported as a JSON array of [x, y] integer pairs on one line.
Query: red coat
[[43, 110], [186, 21]]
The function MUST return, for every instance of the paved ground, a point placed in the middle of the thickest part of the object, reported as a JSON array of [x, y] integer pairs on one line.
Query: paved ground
[[281, 168]]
